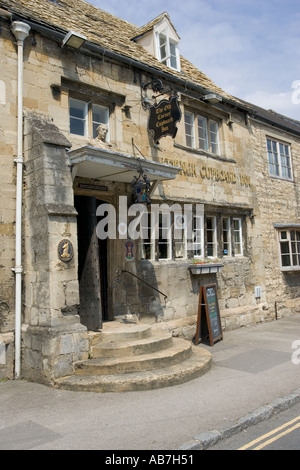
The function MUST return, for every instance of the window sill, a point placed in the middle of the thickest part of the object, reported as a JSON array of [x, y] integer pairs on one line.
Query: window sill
[[203, 153], [281, 178], [291, 269]]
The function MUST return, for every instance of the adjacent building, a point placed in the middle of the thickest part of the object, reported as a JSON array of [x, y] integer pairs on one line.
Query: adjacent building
[[128, 180]]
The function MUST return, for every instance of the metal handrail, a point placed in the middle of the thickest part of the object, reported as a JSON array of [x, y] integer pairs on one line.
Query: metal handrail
[[142, 280]]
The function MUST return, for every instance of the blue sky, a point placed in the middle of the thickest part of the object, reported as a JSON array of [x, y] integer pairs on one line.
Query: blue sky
[[250, 48]]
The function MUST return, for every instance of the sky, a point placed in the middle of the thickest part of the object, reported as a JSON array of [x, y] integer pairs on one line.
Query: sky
[[249, 48]]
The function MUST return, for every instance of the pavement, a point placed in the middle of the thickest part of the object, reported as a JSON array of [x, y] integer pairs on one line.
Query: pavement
[[255, 374]]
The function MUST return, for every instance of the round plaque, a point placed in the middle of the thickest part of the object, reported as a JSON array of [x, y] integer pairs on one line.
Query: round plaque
[[65, 251]]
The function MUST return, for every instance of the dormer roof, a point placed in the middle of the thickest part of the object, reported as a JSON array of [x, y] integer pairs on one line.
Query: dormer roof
[[151, 25]]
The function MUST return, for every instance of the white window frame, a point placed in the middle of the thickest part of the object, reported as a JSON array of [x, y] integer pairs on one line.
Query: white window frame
[[202, 137], [95, 124], [198, 243], [279, 159], [293, 254], [237, 237], [148, 241], [180, 242], [82, 106], [189, 119], [227, 230], [169, 57], [88, 117], [164, 233], [213, 231], [158, 233]]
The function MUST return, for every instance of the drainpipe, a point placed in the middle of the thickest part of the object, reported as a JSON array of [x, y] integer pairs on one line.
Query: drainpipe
[[21, 32]]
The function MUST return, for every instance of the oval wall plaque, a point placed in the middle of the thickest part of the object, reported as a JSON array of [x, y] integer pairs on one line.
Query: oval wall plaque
[[65, 251]]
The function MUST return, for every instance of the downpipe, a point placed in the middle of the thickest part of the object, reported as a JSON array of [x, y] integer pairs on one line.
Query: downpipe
[[21, 32]]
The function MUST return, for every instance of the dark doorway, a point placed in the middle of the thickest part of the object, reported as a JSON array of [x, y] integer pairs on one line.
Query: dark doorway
[[92, 265]]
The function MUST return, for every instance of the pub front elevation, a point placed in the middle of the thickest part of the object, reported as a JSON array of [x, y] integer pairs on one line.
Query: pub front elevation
[[129, 180]]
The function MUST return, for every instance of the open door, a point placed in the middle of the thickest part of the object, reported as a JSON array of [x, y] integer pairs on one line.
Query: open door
[[92, 265]]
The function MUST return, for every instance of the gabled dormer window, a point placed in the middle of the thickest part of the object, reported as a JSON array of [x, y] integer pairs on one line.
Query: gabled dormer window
[[168, 51], [159, 38]]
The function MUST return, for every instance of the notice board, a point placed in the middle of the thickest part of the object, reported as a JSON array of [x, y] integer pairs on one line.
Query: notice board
[[209, 326]]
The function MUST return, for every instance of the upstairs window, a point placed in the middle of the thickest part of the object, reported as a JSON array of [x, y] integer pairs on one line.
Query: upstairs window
[[168, 51], [279, 159], [202, 133], [289, 241], [85, 118]]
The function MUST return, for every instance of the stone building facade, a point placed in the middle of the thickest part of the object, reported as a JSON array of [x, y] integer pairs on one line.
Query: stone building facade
[[232, 166]]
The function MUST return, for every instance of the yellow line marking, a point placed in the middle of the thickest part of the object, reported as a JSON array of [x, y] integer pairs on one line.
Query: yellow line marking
[[275, 438], [271, 433]]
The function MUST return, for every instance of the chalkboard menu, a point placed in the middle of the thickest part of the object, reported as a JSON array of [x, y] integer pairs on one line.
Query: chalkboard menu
[[209, 325]]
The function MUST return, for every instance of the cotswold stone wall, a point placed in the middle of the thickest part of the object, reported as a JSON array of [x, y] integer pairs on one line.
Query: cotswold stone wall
[[278, 202]]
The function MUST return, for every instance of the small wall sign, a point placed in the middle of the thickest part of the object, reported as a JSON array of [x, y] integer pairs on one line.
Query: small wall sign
[[129, 251], [65, 251]]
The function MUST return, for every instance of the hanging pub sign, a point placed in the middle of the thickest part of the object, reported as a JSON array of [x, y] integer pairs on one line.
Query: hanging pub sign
[[163, 118]]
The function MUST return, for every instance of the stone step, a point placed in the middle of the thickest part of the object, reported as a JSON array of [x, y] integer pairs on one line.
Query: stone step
[[178, 351], [196, 365], [157, 341], [120, 332]]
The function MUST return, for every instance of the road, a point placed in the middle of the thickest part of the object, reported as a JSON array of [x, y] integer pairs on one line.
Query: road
[[281, 432]]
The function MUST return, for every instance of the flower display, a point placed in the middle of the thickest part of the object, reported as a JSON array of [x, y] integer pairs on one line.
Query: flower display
[[206, 260]]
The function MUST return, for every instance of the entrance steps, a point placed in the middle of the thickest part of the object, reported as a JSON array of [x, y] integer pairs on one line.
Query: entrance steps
[[135, 357]]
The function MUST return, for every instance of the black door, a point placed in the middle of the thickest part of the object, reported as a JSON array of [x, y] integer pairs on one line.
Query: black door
[[92, 265]]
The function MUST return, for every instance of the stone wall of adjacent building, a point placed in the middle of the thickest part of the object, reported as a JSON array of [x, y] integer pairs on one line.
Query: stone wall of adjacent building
[[278, 203]]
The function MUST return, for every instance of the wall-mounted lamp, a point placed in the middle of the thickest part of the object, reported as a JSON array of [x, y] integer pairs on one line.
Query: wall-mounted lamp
[[212, 98], [73, 39]]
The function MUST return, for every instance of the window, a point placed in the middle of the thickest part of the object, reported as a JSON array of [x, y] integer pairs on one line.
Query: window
[[198, 237], [164, 236], [82, 114], [159, 240], [211, 236], [180, 245], [189, 129], [167, 235], [100, 115], [78, 117], [226, 237], [202, 133], [279, 159], [237, 237], [148, 243], [168, 51], [290, 249]]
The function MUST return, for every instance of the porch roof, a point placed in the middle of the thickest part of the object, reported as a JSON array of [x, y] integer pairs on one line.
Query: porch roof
[[108, 165]]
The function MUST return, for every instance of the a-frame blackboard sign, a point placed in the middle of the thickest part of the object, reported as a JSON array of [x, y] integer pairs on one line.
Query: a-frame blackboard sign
[[209, 325]]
